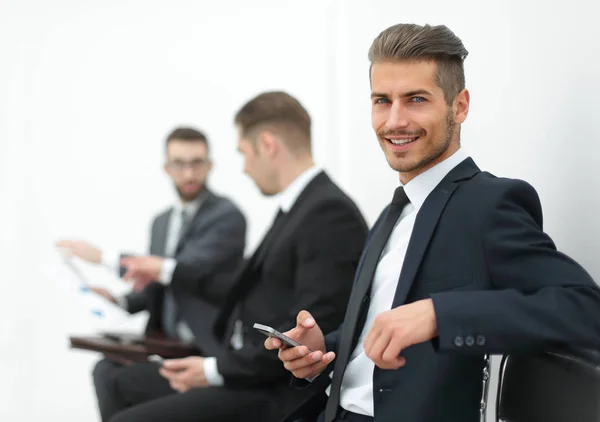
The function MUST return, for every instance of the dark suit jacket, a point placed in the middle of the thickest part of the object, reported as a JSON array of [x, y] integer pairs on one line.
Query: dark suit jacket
[[307, 262], [215, 242], [498, 285]]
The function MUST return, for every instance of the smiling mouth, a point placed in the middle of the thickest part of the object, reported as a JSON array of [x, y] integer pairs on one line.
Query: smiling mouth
[[402, 141]]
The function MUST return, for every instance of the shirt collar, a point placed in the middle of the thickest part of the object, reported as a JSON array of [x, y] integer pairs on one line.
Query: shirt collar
[[419, 188], [289, 195], [192, 207]]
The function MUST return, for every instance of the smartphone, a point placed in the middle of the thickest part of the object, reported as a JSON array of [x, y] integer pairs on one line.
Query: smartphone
[[156, 358], [272, 332]]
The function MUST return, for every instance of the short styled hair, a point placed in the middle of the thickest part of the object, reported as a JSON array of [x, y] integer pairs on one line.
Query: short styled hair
[[279, 112], [405, 42], [187, 134]]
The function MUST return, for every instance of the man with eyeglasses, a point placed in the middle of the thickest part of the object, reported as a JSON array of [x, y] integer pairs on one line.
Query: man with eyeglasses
[[200, 229]]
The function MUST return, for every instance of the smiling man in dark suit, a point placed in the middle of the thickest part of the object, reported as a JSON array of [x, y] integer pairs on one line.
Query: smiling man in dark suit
[[305, 261], [456, 267]]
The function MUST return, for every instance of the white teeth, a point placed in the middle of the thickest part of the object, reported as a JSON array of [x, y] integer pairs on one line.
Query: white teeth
[[402, 141]]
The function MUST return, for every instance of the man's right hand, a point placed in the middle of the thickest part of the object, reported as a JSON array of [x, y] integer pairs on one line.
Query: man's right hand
[[104, 293], [298, 360], [81, 250]]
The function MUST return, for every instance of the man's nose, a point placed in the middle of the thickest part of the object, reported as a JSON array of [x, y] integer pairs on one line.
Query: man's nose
[[398, 116], [188, 172]]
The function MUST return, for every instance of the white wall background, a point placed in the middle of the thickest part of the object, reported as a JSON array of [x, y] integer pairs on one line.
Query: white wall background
[[89, 89]]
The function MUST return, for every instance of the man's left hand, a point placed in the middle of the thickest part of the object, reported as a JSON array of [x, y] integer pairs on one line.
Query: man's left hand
[[184, 374], [142, 270], [396, 329]]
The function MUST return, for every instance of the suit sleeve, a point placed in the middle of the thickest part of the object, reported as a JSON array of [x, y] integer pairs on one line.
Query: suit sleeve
[[137, 301], [332, 340], [206, 265], [540, 298], [328, 248]]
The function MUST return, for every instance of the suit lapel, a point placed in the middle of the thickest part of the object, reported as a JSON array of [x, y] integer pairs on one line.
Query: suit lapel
[[160, 242], [269, 238], [425, 224]]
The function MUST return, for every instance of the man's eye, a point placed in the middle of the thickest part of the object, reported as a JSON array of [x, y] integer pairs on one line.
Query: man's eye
[[381, 101], [417, 99]]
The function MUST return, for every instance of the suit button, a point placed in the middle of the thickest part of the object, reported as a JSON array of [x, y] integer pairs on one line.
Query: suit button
[[469, 341], [458, 341], [480, 340]]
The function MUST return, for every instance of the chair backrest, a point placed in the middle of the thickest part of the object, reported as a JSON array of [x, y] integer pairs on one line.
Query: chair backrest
[[549, 387]]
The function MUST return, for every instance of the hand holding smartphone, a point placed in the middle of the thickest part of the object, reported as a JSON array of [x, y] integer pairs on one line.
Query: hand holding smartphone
[[271, 332]]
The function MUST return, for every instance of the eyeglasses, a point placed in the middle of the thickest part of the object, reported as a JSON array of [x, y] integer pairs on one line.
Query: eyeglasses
[[194, 165]]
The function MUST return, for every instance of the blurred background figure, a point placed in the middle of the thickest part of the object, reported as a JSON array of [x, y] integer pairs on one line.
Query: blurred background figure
[[201, 228], [306, 261]]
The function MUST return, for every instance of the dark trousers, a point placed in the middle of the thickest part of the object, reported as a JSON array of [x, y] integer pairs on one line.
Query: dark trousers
[[119, 387], [345, 416], [139, 393]]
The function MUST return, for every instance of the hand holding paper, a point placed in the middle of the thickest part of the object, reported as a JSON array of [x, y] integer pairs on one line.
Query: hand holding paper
[[80, 249]]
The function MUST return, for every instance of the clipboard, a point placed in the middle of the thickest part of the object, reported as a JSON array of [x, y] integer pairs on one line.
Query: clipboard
[[129, 348]]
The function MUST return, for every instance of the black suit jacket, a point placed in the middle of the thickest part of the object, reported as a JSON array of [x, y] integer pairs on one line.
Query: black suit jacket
[[498, 285], [307, 262], [214, 242]]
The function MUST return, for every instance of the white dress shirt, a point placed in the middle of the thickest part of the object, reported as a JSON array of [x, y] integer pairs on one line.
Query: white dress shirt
[[286, 200], [356, 393]]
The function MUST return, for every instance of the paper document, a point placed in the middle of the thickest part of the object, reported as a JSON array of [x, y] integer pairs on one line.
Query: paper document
[[73, 279]]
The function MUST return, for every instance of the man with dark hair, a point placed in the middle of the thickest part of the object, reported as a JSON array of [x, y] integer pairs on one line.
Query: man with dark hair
[[202, 229], [306, 260], [456, 267]]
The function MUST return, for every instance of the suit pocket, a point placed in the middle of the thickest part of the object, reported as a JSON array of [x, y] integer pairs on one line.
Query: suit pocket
[[446, 282]]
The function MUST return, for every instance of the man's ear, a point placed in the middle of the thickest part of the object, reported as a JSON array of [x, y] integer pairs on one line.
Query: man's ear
[[268, 144], [461, 106]]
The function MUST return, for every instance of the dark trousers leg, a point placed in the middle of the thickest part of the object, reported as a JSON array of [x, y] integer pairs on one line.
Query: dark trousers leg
[[210, 404], [109, 400], [119, 387]]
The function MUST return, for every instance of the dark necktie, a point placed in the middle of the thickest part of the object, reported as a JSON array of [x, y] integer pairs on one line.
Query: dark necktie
[[170, 313], [359, 301]]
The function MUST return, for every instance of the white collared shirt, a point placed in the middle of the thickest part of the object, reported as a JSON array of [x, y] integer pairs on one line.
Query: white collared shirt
[[356, 393], [286, 200]]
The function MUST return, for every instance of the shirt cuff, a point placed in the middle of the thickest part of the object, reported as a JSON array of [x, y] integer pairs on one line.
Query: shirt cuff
[[111, 259], [122, 302], [166, 271], [211, 372]]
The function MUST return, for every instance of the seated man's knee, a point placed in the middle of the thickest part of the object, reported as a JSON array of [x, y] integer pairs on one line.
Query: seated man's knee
[[104, 371]]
